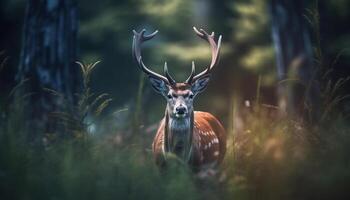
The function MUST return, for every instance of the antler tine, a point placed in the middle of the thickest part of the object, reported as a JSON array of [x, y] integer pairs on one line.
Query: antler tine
[[199, 33], [215, 49], [189, 79], [138, 38], [167, 75]]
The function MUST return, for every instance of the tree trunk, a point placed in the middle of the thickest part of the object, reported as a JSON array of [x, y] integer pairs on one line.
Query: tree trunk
[[298, 91], [49, 49]]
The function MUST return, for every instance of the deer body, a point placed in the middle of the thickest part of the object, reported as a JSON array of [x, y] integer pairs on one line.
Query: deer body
[[208, 144], [197, 138]]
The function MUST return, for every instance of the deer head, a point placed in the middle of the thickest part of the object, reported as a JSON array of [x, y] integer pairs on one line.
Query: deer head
[[179, 96]]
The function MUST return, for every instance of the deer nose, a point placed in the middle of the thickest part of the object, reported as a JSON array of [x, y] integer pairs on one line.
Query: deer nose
[[181, 110]]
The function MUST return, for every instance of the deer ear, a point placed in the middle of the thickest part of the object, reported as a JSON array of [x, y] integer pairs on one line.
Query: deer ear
[[159, 85], [199, 85]]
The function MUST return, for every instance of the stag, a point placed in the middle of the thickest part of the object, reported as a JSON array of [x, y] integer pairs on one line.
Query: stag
[[196, 137]]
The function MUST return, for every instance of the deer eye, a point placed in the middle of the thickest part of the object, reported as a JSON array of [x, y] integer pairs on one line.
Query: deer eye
[[191, 96], [169, 96]]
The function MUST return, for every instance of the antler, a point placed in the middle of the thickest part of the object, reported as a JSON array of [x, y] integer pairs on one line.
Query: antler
[[215, 48], [138, 39]]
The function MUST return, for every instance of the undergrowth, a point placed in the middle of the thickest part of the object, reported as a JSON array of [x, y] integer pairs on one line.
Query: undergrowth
[[267, 158], [82, 166]]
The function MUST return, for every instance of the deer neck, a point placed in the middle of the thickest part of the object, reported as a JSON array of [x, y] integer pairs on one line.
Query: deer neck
[[178, 136]]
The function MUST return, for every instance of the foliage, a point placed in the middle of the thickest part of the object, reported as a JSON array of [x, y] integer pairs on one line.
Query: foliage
[[95, 170], [80, 120], [82, 167]]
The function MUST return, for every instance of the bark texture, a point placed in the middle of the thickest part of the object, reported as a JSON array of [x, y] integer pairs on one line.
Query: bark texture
[[49, 49]]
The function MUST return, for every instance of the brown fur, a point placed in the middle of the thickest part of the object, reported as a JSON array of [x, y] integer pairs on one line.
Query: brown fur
[[208, 143]]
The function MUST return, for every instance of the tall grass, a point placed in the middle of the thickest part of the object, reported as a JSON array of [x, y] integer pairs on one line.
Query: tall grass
[[270, 157], [82, 166], [331, 98]]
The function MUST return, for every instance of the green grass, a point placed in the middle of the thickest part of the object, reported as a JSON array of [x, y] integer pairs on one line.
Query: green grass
[[89, 170], [270, 159]]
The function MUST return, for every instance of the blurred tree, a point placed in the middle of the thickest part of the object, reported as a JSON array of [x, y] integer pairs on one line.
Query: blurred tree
[[252, 47], [298, 91], [47, 58]]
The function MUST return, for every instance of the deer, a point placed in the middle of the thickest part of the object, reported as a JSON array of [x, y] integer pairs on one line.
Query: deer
[[197, 138]]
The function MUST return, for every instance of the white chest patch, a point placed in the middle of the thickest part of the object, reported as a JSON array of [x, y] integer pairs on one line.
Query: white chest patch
[[179, 127]]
